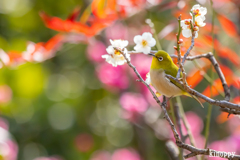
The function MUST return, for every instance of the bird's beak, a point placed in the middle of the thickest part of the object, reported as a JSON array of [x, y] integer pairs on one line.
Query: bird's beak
[[151, 54]]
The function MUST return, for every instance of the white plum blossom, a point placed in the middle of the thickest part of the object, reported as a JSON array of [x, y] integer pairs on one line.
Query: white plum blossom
[[186, 28], [144, 42], [114, 56], [199, 21], [199, 14], [185, 24], [118, 43], [197, 10]]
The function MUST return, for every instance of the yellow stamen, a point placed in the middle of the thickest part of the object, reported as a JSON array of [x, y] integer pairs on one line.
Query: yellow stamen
[[196, 12], [117, 52], [144, 43]]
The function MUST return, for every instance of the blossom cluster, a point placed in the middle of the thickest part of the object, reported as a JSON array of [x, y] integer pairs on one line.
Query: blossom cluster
[[143, 42], [198, 16]]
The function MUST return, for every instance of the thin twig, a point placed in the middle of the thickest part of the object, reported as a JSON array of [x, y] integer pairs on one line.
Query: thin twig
[[188, 51], [178, 42], [231, 111], [173, 113], [181, 69], [186, 124], [179, 54], [178, 119]]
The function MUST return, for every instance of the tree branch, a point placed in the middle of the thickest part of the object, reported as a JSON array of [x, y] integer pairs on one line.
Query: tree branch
[[220, 103], [178, 45], [186, 55], [195, 151], [178, 119], [212, 59]]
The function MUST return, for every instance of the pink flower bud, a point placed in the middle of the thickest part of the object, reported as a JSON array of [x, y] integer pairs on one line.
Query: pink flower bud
[[180, 41]]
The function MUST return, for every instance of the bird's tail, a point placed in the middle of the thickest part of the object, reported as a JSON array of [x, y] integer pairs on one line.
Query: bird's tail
[[190, 95]]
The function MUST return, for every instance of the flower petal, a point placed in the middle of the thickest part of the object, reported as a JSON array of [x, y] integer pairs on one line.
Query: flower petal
[[152, 42], [182, 23], [146, 50], [147, 36], [203, 11], [124, 44], [186, 33], [137, 39], [111, 41], [105, 56], [127, 54], [199, 21], [196, 6], [196, 34], [110, 50], [138, 48]]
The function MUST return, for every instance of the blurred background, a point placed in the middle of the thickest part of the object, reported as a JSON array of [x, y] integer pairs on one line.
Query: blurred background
[[59, 100]]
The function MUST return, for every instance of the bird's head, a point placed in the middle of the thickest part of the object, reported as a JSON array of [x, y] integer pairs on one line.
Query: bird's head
[[161, 60]]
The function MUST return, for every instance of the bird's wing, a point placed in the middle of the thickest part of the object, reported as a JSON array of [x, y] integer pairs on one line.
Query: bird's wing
[[173, 72]]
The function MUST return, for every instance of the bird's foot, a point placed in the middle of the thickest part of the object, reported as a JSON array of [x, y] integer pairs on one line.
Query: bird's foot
[[158, 94], [180, 79], [168, 99]]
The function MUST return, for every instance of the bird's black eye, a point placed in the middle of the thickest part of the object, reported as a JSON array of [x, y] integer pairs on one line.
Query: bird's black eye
[[160, 58]]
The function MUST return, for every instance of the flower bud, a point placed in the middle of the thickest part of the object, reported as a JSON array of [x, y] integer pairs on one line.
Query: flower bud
[[187, 22], [175, 47], [180, 41], [196, 28]]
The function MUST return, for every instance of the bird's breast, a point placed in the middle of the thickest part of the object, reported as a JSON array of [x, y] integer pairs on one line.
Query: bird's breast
[[163, 84]]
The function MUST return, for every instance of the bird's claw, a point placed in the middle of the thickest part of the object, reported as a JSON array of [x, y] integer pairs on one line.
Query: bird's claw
[[164, 104]]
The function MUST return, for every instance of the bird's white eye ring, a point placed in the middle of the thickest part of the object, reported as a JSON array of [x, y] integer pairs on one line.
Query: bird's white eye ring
[[160, 58]]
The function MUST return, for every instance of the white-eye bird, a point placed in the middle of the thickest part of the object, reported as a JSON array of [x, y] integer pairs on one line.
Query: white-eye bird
[[162, 64]]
